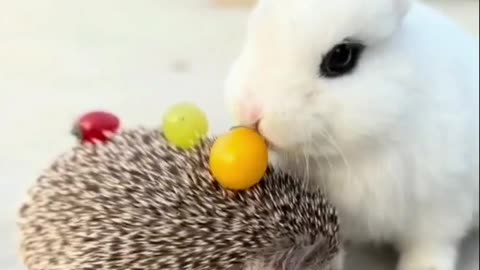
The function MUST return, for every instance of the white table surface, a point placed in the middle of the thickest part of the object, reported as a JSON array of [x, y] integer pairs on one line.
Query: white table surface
[[60, 58]]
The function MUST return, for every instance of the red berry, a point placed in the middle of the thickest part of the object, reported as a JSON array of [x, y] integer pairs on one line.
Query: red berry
[[96, 126]]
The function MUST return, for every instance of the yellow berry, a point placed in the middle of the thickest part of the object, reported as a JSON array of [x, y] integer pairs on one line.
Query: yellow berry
[[239, 159]]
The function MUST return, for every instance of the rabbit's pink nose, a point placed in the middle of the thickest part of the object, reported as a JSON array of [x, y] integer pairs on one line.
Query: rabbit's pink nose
[[251, 114]]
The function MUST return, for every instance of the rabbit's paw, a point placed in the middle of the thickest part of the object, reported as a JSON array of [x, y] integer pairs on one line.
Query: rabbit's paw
[[428, 257]]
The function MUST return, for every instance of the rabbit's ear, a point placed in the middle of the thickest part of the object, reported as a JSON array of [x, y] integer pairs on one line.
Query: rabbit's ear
[[402, 6]]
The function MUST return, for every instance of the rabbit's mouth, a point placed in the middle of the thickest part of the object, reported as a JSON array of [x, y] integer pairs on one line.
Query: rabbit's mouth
[[305, 149], [271, 145], [278, 146]]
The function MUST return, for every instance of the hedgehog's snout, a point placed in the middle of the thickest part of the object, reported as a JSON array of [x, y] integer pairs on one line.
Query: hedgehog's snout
[[305, 256]]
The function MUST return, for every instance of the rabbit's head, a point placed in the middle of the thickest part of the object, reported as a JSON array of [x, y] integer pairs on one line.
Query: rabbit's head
[[315, 74]]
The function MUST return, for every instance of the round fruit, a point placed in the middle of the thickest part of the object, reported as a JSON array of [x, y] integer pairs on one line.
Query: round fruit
[[239, 159], [96, 126], [185, 125]]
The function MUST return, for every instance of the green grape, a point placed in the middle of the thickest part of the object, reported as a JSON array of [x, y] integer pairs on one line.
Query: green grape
[[185, 125]]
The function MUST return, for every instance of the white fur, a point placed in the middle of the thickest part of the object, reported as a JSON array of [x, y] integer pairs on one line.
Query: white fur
[[394, 144]]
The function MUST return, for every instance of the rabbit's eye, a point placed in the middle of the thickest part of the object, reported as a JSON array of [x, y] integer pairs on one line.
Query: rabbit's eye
[[341, 60]]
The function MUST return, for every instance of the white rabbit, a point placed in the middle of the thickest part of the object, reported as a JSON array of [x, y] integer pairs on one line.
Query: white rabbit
[[376, 101]]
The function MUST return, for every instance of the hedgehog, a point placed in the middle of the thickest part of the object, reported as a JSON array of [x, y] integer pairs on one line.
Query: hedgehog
[[138, 203]]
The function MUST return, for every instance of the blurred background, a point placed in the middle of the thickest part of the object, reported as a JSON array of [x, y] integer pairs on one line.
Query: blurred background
[[61, 58]]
